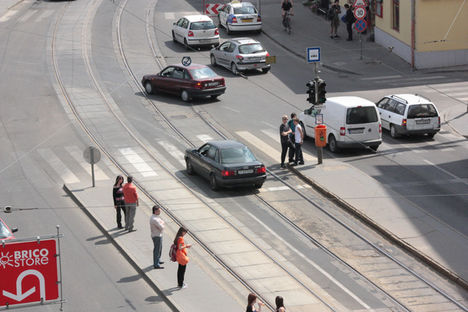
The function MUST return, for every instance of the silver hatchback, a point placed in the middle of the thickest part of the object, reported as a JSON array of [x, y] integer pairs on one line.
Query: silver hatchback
[[240, 54]]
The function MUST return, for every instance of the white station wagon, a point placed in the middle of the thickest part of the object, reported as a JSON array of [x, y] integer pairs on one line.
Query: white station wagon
[[195, 30], [240, 16]]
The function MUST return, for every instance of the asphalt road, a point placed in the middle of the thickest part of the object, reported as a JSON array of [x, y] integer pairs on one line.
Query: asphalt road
[[34, 128]]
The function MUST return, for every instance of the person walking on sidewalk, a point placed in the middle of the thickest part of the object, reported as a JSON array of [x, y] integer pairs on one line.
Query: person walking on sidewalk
[[119, 203], [334, 17], [299, 139], [284, 136], [181, 256], [251, 299], [291, 138], [131, 202], [157, 228], [350, 19], [279, 304]]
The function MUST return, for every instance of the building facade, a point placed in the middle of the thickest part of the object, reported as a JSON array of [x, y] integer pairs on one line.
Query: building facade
[[425, 33]]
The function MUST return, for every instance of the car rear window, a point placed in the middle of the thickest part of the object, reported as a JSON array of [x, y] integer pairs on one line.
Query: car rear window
[[245, 10], [202, 25], [360, 115], [202, 73], [237, 155], [421, 111], [251, 48]]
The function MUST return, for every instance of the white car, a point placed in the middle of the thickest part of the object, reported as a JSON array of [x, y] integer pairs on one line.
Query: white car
[[406, 114], [195, 30], [240, 16]]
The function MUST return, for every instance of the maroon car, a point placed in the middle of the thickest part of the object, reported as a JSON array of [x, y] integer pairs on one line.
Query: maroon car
[[187, 81]]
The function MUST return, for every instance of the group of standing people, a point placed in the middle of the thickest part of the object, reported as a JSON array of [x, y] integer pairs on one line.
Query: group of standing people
[[334, 16], [292, 138], [125, 201], [252, 300]]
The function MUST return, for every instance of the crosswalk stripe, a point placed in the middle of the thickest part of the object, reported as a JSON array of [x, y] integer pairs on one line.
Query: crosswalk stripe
[[59, 167], [204, 138], [169, 15], [173, 151], [272, 134], [382, 77], [137, 162], [5, 17], [77, 154], [44, 15], [110, 165], [26, 16]]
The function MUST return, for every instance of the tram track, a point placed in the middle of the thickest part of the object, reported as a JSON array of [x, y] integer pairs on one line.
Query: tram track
[[187, 140]]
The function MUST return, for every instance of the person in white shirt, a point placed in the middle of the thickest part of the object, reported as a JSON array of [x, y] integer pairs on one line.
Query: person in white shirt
[[157, 228], [299, 139]]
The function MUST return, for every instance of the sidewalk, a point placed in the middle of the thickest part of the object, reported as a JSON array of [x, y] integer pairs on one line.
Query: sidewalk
[[391, 214]]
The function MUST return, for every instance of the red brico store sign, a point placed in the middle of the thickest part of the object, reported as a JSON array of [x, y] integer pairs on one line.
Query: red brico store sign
[[28, 272]]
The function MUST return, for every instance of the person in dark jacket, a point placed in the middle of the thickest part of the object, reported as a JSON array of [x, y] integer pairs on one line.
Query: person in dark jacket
[[119, 203], [285, 142], [350, 19]]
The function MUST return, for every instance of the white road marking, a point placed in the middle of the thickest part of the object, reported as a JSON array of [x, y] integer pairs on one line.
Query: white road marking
[[269, 124], [231, 109], [77, 154], [316, 266], [272, 134], [44, 15], [26, 16], [381, 77], [204, 138], [5, 17], [169, 15], [283, 188], [59, 167], [446, 172], [463, 99], [110, 165], [137, 162], [174, 151]]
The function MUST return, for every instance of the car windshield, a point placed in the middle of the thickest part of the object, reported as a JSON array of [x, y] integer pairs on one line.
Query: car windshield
[[360, 115], [202, 25], [237, 155], [4, 232], [421, 111], [202, 73], [245, 10], [251, 48]]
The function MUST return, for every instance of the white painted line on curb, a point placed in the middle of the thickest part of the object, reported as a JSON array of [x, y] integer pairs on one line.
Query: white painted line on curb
[[137, 162]]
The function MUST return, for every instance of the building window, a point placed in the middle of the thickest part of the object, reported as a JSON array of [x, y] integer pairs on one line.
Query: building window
[[378, 8], [396, 15]]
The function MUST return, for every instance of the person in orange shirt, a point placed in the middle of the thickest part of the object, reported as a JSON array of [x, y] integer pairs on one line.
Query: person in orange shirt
[[131, 202], [181, 256]]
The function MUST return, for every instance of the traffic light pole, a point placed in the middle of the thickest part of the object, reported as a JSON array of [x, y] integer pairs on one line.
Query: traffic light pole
[[316, 84]]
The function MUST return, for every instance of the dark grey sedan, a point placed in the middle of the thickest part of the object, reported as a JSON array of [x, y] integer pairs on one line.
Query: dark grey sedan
[[226, 164]]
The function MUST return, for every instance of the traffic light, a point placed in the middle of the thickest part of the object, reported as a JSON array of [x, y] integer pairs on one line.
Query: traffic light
[[311, 91], [321, 91]]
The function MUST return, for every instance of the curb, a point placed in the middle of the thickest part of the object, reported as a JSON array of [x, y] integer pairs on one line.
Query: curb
[[13, 5], [172, 305], [332, 68], [383, 231]]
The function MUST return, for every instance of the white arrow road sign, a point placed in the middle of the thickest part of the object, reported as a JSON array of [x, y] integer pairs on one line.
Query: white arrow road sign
[[19, 293]]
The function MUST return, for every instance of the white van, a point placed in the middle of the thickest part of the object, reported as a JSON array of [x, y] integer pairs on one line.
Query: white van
[[351, 122]]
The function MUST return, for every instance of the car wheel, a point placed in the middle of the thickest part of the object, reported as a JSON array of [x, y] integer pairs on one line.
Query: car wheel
[[213, 182], [393, 132], [304, 130], [332, 144], [258, 185], [431, 135], [213, 60], [189, 167], [234, 69], [148, 87], [185, 96], [214, 96], [374, 147], [219, 22], [186, 45], [173, 37], [228, 30], [265, 70]]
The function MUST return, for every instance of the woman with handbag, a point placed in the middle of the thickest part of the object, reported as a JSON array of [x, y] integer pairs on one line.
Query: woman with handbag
[[181, 256]]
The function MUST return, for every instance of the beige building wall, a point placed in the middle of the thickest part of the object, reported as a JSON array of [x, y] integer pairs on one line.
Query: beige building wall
[[384, 23]]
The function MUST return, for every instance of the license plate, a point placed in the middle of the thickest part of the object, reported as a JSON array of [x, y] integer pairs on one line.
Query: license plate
[[204, 40], [255, 59], [246, 171], [356, 131], [212, 84], [247, 20], [423, 121]]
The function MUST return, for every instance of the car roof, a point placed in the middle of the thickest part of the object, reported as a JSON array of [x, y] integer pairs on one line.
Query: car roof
[[350, 101], [197, 18], [241, 4], [226, 144], [411, 98], [244, 40]]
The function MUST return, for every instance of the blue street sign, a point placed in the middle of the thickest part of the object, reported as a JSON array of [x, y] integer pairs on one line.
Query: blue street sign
[[313, 55], [360, 25]]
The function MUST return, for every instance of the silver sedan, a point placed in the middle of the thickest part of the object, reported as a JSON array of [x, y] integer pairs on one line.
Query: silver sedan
[[240, 54]]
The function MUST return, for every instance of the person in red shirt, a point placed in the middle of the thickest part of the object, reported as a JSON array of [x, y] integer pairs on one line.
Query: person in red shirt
[[131, 202]]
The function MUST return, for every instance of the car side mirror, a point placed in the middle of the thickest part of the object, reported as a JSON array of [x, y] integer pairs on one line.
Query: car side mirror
[[13, 230]]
